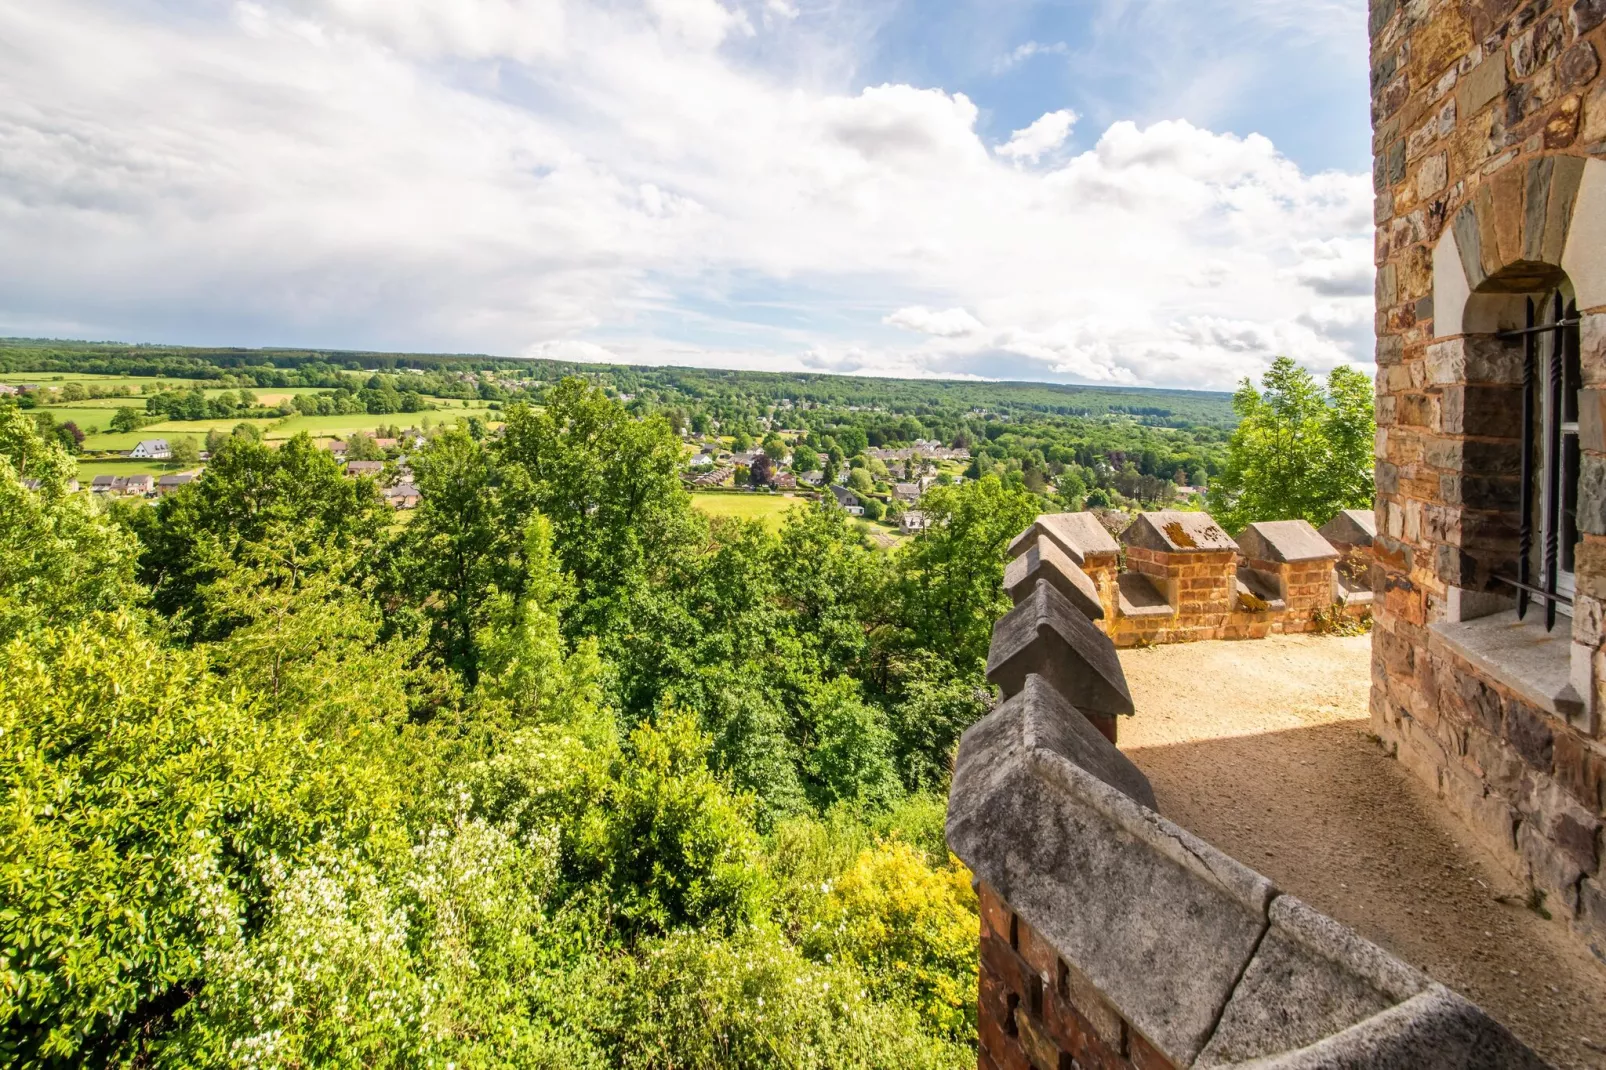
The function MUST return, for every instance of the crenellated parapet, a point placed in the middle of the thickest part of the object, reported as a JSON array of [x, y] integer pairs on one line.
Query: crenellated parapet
[[1177, 577], [1111, 937]]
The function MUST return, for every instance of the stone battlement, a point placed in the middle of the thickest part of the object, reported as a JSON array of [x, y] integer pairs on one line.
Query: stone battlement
[[1112, 938], [1185, 579]]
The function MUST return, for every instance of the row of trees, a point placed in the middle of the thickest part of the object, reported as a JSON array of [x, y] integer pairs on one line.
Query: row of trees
[[559, 773]]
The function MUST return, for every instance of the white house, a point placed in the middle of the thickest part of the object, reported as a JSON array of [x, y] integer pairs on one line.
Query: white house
[[848, 500], [914, 520], [151, 449]]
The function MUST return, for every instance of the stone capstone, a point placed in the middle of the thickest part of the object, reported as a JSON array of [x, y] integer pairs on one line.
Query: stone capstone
[[1351, 527], [1046, 561], [1049, 636], [1159, 921], [1170, 531], [1079, 535], [1284, 542]]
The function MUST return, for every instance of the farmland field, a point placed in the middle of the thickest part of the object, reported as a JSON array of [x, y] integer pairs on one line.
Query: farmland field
[[89, 468], [768, 508]]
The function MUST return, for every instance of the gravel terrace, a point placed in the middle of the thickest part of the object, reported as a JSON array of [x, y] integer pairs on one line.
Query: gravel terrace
[[1264, 749]]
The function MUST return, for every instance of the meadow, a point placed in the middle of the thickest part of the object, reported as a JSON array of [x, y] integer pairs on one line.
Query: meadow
[[770, 509]]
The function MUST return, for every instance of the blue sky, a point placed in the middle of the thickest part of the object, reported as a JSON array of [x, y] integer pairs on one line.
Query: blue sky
[[1161, 192]]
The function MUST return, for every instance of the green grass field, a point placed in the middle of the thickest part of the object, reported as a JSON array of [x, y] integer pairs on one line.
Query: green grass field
[[89, 468], [169, 429], [771, 509]]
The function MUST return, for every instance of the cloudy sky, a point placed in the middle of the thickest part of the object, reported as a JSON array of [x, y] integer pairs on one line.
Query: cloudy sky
[[1158, 192]]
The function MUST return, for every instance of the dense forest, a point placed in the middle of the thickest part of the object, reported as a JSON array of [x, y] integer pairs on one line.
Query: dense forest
[[559, 772]]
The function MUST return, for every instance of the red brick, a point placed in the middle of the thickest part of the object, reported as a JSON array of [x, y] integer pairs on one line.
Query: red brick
[[995, 914], [1038, 954], [1078, 1037], [1146, 1056], [1035, 1041]]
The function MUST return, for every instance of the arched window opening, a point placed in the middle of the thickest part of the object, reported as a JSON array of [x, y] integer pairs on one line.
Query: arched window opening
[[1552, 377]]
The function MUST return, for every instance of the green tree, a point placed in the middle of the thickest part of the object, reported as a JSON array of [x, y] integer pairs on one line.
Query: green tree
[[1300, 450], [805, 459], [184, 452], [952, 572], [460, 548], [126, 419], [249, 491]]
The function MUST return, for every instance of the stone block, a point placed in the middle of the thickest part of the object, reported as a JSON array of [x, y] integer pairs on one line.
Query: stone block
[[1581, 769], [1171, 532], [1048, 636], [1285, 542], [1586, 15], [1079, 535], [1159, 921], [1481, 85], [1552, 870], [1592, 493], [1311, 978], [1045, 560], [1434, 1030], [1488, 411], [1568, 825], [1529, 732], [1592, 915]]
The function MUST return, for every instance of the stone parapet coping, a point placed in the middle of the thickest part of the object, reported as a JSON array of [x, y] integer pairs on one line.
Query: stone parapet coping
[[1198, 953]]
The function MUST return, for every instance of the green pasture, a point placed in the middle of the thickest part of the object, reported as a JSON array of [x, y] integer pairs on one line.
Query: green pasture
[[770, 509], [168, 429], [90, 467]]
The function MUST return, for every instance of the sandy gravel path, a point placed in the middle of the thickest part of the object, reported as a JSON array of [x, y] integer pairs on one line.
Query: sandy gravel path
[[1263, 748]]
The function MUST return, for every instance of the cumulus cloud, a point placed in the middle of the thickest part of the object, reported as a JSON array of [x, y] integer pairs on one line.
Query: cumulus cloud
[[611, 182], [950, 323], [1047, 133]]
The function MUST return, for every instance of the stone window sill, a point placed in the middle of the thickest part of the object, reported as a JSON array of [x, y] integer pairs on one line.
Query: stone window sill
[[1519, 655]]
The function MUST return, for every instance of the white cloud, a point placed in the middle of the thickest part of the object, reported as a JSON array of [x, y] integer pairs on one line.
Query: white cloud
[[1047, 133], [608, 182], [1026, 51], [950, 323]]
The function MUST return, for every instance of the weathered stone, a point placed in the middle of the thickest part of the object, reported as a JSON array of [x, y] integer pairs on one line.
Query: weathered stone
[[1048, 636], [1079, 535], [1284, 542], [1045, 560], [1171, 531], [1311, 978], [1489, 411], [1552, 870], [1586, 15], [1435, 1030], [1579, 64], [1160, 922], [1592, 493], [1592, 914], [1481, 85], [1350, 527], [1138, 595]]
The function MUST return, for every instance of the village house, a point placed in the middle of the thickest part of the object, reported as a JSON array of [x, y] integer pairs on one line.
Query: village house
[[169, 483], [151, 449], [129, 486], [1489, 674], [336, 447], [848, 500], [907, 492], [402, 496], [914, 520], [783, 481], [365, 468]]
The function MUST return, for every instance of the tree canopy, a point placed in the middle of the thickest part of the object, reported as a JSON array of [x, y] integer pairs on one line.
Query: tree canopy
[[1301, 450]]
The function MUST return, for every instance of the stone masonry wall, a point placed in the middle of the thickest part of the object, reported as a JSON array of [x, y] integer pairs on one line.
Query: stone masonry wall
[[1490, 180]]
